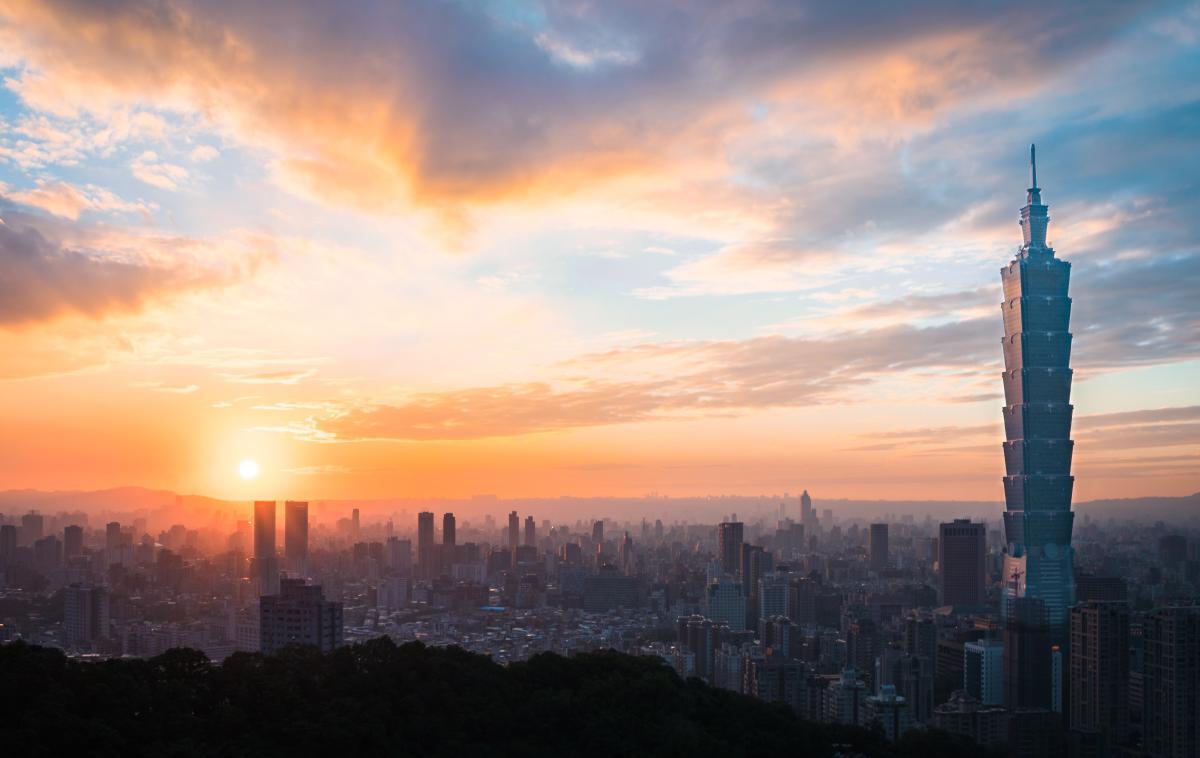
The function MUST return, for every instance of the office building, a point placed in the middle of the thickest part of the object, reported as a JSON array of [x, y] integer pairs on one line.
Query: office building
[[983, 671], [426, 564], [32, 528], [1171, 711], [8, 543], [729, 546], [1028, 665], [298, 615], [449, 529], [879, 547], [961, 557], [266, 568], [530, 532], [295, 535], [85, 615], [598, 533], [1099, 672], [844, 700], [1037, 422], [514, 531], [72, 541], [725, 603]]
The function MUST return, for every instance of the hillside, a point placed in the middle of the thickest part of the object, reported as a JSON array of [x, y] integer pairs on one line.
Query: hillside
[[380, 699]]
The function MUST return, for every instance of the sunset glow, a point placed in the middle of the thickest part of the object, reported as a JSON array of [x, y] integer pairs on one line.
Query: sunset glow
[[543, 249]]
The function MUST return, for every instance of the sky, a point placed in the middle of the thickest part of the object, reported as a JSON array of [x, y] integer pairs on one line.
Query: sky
[[586, 248]]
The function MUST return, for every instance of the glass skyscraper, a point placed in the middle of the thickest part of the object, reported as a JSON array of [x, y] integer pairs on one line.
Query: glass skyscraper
[[1037, 420]]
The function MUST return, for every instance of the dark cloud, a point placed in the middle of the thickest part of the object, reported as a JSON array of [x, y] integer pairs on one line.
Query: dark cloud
[[41, 279]]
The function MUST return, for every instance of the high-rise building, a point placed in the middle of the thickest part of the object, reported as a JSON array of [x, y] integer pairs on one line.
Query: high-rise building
[[879, 547], [862, 646], [1099, 672], [266, 569], [425, 548], [1028, 676], [295, 534], [962, 555], [1037, 421], [72, 541], [1171, 710], [355, 523], [32, 528], [514, 531], [298, 615], [530, 532], [983, 671], [8, 543], [598, 532], [85, 615], [449, 529], [912, 676], [729, 546], [726, 603]]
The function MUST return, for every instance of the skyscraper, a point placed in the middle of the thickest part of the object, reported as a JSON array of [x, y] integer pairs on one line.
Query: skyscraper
[[85, 615], [514, 531], [1099, 679], [983, 671], [598, 532], [425, 562], [264, 547], [1037, 421], [530, 532], [879, 547], [1171, 722], [72, 541], [295, 534], [962, 551], [729, 546], [449, 527]]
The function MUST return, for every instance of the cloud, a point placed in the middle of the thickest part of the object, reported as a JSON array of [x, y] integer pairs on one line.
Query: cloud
[[446, 104], [680, 380], [48, 270], [203, 154], [68, 201], [148, 168]]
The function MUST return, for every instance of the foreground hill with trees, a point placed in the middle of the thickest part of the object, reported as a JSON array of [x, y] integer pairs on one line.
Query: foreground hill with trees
[[378, 698]]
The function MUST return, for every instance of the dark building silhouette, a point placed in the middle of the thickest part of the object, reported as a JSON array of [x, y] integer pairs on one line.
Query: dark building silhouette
[[295, 534], [298, 615], [1171, 711], [879, 547], [426, 562], [72, 541], [1099, 675], [266, 568], [514, 531], [1027, 656], [1037, 421], [729, 546], [530, 532], [449, 528], [962, 571]]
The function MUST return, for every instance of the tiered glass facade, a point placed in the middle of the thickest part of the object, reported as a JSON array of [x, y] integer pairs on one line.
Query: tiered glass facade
[[1037, 420]]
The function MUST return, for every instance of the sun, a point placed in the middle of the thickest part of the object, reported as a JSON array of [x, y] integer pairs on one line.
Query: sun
[[248, 469]]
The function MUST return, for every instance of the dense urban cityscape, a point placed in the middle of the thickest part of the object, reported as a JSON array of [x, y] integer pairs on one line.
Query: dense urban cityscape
[[704, 293]]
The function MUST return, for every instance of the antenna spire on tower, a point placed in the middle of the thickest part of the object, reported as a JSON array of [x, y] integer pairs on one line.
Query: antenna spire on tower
[[1033, 163]]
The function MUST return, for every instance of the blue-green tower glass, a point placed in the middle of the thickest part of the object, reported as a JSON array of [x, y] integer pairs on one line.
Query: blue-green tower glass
[[1037, 420]]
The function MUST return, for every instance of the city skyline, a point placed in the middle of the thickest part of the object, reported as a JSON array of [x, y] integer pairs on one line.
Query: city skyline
[[583, 249]]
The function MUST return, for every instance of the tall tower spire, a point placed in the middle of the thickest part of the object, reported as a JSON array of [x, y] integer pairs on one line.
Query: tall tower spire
[[1033, 164], [1037, 421], [1035, 217]]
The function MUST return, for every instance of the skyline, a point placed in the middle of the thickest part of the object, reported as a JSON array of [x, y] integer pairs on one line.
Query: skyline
[[585, 251]]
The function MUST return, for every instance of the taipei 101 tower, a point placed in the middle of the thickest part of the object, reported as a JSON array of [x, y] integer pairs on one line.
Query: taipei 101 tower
[[1037, 423]]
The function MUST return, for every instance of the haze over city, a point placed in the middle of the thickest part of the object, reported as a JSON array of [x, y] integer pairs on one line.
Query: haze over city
[[542, 249], [557, 377]]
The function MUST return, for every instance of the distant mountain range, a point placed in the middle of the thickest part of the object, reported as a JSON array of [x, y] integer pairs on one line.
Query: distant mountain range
[[164, 507]]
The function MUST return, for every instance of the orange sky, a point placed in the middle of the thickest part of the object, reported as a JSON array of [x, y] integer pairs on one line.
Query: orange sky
[[536, 249]]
